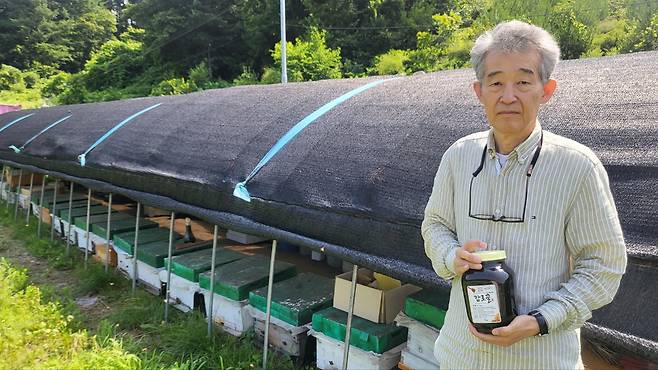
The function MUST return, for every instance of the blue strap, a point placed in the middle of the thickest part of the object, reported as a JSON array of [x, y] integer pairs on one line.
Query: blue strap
[[15, 121], [18, 150], [83, 157], [241, 191]]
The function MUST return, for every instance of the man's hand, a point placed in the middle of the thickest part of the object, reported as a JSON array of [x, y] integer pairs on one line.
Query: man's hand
[[521, 327], [465, 259]]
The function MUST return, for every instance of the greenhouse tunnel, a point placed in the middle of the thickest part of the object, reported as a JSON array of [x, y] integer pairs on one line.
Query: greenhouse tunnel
[[355, 181]]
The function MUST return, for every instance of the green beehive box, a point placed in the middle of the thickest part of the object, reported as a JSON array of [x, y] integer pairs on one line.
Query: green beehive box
[[64, 207], [190, 265], [154, 254], [294, 300], [126, 240], [121, 226], [95, 209], [428, 306], [61, 197], [81, 221], [236, 279], [365, 334]]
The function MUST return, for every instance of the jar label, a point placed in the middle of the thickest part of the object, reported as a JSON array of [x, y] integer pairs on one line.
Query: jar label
[[483, 301]]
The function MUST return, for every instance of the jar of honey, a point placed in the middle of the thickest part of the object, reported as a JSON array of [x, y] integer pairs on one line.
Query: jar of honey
[[489, 292]]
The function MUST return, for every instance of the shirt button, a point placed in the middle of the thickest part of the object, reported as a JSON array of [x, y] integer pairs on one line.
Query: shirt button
[[497, 212]]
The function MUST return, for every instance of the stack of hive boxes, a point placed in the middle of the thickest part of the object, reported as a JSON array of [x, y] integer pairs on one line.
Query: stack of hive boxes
[[233, 282], [423, 316], [294, 301], [375, 341], [185, 290]]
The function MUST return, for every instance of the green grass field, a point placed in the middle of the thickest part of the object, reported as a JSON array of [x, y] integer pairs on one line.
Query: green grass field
[[41, 326]]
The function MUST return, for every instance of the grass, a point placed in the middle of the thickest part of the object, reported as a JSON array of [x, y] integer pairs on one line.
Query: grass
[[128, 334]]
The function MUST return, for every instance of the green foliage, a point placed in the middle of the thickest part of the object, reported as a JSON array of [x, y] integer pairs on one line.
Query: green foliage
[[75, 51], [573, 36], [29, 323], [447, 46], [10, 77], [648, 37], [53, 33], [270, 76], [247, 77], [611, 35], [17, 87], [309, 59], [174, 86], [200, 74], [390, 63], [116, 64]]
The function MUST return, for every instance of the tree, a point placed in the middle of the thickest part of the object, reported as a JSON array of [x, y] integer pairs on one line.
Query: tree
[[181, 33], [309, 59], [573, 36], [363, 29], [60, 34]]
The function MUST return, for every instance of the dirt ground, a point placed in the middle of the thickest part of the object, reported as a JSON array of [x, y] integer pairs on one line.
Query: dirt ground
[[41, 274]]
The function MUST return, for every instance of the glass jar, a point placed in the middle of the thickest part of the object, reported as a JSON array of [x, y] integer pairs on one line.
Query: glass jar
[[489, 292]]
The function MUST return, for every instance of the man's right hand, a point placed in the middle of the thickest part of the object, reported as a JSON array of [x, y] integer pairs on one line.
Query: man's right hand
[[465, 259]]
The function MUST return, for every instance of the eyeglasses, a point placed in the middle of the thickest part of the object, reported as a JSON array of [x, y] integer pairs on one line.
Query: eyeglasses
[[503, 218]]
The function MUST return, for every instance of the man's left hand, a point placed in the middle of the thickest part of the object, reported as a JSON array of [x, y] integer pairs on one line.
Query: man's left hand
[[521, 327]]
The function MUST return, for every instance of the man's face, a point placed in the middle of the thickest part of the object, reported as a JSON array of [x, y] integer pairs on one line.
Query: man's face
[[512, 91]]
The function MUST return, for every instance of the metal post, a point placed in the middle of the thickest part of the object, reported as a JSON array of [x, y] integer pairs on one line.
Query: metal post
[[2, 181], [87, 229], [171, 244], [11, 171], [43, 192], [139, 209], [212, 280], [269, 304], [107, 234], [350, 313], [284, 59], [18, 192], [29, 201], [68, 232], [52, 221]]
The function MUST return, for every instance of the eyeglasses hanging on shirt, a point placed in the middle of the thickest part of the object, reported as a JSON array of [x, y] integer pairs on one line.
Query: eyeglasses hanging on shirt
[[501, 217]]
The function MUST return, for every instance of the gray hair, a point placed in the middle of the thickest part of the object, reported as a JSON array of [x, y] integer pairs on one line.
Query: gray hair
[[516, 36]]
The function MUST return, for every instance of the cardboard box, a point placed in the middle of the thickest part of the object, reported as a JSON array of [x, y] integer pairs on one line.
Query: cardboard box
[[370, 303]]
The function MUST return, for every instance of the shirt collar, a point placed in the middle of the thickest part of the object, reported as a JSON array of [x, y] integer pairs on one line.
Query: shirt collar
[[523, 151]]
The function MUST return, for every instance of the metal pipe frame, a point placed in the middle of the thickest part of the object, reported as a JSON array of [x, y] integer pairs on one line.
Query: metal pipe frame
[[350, 314], [2, 180], [11, 171], [43, 192], [87, 227], [135, 243], [29, 201], [18, 193], [270, 282], [68, 232], [107, 235], [213, 260], [171, 244], [52, 221]]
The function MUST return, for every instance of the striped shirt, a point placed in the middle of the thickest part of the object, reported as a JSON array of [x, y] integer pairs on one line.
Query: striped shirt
[[568, 255]]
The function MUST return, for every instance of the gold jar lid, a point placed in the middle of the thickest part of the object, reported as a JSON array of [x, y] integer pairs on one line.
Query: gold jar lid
[[491, 255]]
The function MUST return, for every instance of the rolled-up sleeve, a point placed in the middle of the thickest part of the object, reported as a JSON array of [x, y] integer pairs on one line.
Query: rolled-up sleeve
[[438, 227], [594, 237]]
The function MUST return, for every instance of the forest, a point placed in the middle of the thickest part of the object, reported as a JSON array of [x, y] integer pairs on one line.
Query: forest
[[56, 52]]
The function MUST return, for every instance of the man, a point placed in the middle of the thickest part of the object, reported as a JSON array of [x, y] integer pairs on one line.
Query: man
[[542, 198]]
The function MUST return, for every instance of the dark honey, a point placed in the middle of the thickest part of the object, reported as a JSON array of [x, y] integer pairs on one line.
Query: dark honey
[[489, 292]]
